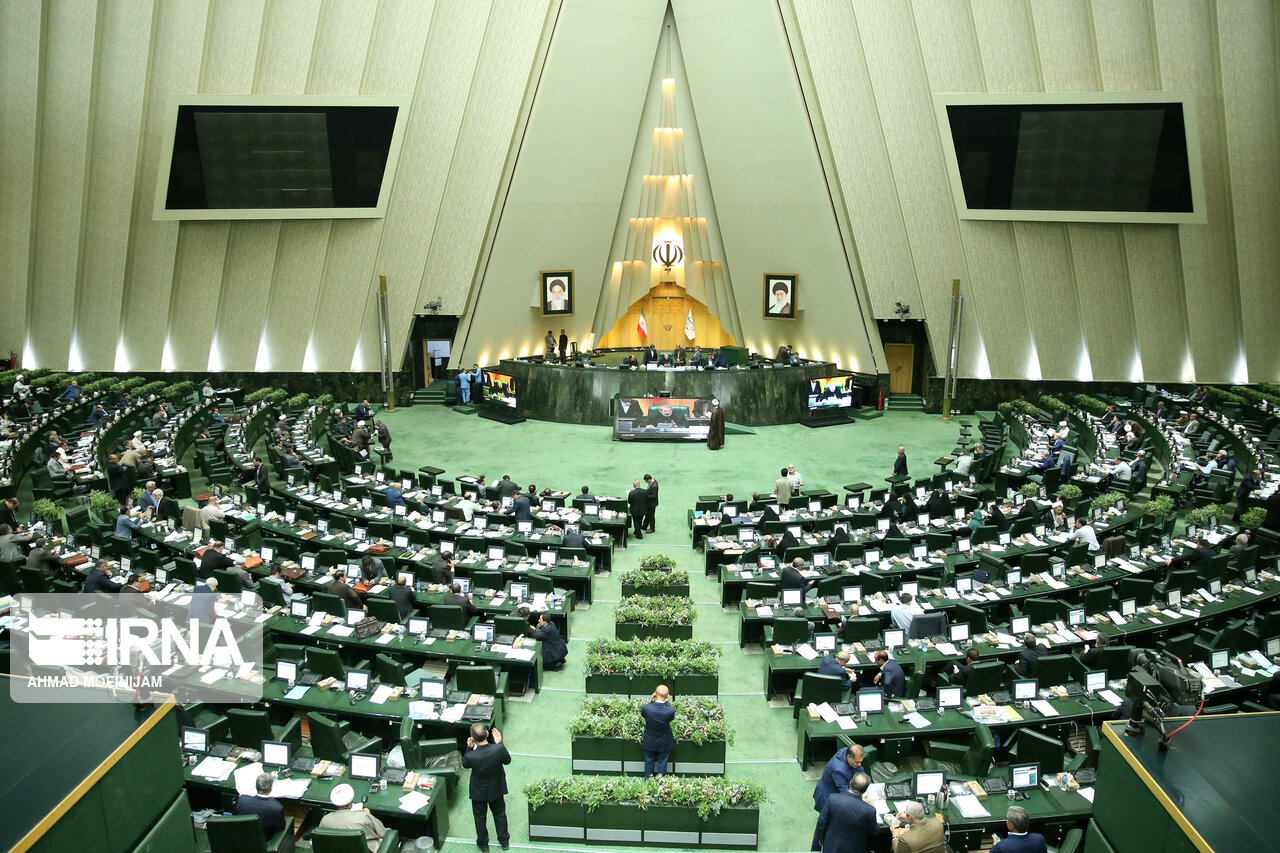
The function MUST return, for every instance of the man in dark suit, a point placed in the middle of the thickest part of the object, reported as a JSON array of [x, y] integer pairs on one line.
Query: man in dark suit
[[836, 665], [1141, 465], [203, 598], [117, 478], [99, 579], [1029, 656], [1019, 840], [260, 478], [573, 537], [1199, 559], [638, 506], [269, 810], [213, 558], [506, 488], [338, 586], [900, 463], [958, 673], [1249, 483], [522, 509], [891, 678], [847, 824], [455, 598], [651, 515], [402, 595], [554, 648], [791, 576], [698, 359], [658, 740], [719, 359], [1272, 521], [485, 757], [442, 568]]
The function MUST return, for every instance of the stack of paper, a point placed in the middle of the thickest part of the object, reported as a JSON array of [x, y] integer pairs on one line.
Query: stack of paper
[[215, 769], [413, 802]]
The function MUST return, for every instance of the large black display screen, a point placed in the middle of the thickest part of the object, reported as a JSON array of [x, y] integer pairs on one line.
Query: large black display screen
[[662, 419]]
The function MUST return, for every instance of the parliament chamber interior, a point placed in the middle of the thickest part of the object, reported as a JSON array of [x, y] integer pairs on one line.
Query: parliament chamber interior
[[594, 425]]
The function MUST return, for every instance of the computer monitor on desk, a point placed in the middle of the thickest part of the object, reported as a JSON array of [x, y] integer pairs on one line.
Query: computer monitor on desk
[[519, 590], [364, 766], [872, 556], [950, 697], [821, 559], [287, 671], [276, 754], [870, 702], [1128, 607], [928, 783], [824, 642], [1173, 597], [1020, 625], [419, 625], [1273, 647], [482, 632], [1219, 659], [1024, 690], [1095, 681], [407, 578], [299, 609], [267, 553], [1013, 577], [792, 597], [495, 552], [851, 594], [195, 740], [357, 679], [432, 691], [464, 584], [1025, 777], [911, 588], [959, 632]]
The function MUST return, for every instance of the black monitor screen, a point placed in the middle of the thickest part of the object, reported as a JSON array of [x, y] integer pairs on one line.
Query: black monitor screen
[[1075, 157], [662, 419], [832, 392], [234, 156]]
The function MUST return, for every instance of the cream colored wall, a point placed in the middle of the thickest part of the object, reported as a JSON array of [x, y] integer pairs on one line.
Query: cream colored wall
[[1062, 301], [82, 100]]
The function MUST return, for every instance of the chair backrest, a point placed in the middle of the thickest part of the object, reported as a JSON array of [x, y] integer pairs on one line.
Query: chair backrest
[[508, 624], [323, 602], [390, 670], [1184, 579], [820, 688], [861, 628], [1041, 610], [1115, 660], [1048, 751], [249, 727], [383, 609], [977, 759], [33, 580], [272, 593], [1143, 589], [326, 738], [326, 662], [228, 581], [486, 580], [290, 651], [1098, 599], [476, 679], [927, 625], [448, 617], [540, 583], [760, 590], [1180, 646], [975, 616], [895, 547], [790, 630], [1054, 669], [325, 840], [236, 834], [984, 677]]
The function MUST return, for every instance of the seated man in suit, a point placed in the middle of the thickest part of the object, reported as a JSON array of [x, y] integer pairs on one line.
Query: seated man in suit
[[719, 359], [203, 599], [792, 577], [917, 835], [353, 815], [891, 678], [402, 595], [214, 558], [663, 415], [1029, 656], [554, 648], [958, 673], [573, 538], [698, 359], [457, 599], [1019, 839], [99, 579], [338, 586], [269, 810], [837, 666]]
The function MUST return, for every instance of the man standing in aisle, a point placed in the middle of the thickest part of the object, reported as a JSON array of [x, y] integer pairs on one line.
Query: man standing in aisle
[[485, 756], [658, 740], [652, 514], [900, 464], [638, 506], [847, 822]]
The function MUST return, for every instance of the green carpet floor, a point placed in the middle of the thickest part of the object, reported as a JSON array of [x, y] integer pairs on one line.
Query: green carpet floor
[[568, 457]]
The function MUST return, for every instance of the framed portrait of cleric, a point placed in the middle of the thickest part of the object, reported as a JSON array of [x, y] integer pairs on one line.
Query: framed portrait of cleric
[[557, 293], [780, 296]]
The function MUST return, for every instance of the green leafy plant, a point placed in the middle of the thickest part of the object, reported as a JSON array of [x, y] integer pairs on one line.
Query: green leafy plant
[[1030, 489], [257, 396], [699, 719], [1092, 405], [1106, 500], [1200, 515], [1160, 506], [659, 562], [1253, 517], [102, 384], [324, 400], [180, 390], [655, 610], [136, 494], [103, 504], [709, 795], [51, 380], [657, 657], [277, 395], [1069, 492], [47, 510], [129, 384], [653, 577], [298, 401], [1053, 405], [150, 388]]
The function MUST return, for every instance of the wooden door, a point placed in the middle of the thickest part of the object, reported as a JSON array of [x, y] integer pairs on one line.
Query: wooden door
[[900, 359]]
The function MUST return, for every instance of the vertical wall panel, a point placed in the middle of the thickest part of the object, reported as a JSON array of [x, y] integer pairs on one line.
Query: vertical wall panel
[[1247, 33], [177, 42], [199, 259], [1106, 313], [20, 35], [1045, 260], [124, 45], [65, 84]]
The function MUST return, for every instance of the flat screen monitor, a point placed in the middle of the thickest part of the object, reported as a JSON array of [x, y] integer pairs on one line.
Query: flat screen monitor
[[501, 388], [872, 556], [1004, 538], [495, 552], [1020, 625], [1128, 607], [928, 782], [1250, 575], [746, 534], [364, 766], [438, 516], [731, 510], [1215, 587], [547, 558], [299, 609], [1220, 659], [524, 528], [195, 740], [830, 392], [547, 506], [591, 509], [870, 702], [950, 697], [894, 638], [815, 506], [1095, 681], [964, 545], [768, 561], [482, 632], [1024, 690], [419, 625], [792, 597], [824, 642], [1025, 777], [275, 754], [795, 530], [290, 517], [308, 563], [366, 503], [1273, 647], [882, 525], [322, 524], [357, 679], [1075, 617], [287, 671], [464, 584], [919, 552], [663, 419], [964, 584], [355, 617], [401, 541], [1173, 598], [958, 632], [911, 588], [1099, 561], [519, 590], [480, 522], [1013, 577], [821, 559], [432, 691], [851, 594]]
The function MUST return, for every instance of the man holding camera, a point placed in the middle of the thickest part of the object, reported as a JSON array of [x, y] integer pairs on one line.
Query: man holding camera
[[485, 756]]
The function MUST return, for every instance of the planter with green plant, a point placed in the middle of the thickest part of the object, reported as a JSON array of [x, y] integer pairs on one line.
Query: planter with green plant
[[1253, 518], [297, 402], [1070, 492], [636, 667], [641, 616], [257, 396], [1159, 507], [661, 811], [47, 510], [658, 562], [1203, 516], [1030, 490], [1106, 500], [180, 392], [654, 582], [324, 400], [103, 507], [608, 729]]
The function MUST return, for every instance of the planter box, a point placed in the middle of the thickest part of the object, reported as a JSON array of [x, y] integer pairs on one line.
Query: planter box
[[625, 757], [566, 821], [643, 685], [636, 631], [696, 685], [647, 589], [664, 826], [618, 685]]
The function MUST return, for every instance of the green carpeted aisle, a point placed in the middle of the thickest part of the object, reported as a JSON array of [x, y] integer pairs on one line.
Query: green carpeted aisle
[[569, 457]]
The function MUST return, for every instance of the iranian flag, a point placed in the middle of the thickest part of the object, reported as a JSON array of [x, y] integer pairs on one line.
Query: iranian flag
[[642, 327]]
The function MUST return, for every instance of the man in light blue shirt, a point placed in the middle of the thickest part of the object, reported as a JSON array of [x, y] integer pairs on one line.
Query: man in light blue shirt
[[126, 524]]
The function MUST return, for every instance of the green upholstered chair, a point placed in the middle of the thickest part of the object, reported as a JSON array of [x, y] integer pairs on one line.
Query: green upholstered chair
[[390, 670], [243, 834], [249, 727], [817, 689], [448, 617], [1030, 745], [383, 609], [439, 756], [333, 739], [350, 841]]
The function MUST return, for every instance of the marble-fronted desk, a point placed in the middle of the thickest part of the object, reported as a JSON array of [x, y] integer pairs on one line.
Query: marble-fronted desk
[[584, 395]]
